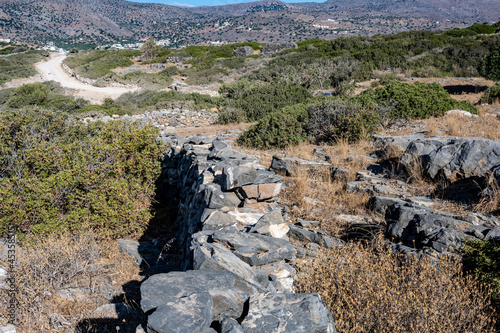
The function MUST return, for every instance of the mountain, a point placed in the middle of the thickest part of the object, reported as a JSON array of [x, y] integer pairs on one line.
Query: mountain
[[109, 21]]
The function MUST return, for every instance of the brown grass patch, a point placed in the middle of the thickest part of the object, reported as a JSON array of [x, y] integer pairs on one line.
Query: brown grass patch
[[48, 265], [371, 290]]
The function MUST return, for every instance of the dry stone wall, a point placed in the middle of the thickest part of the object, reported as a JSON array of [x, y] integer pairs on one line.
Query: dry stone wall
[[238, 260]]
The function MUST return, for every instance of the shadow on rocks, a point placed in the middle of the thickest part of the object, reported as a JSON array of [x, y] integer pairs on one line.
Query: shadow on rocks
[[155, 252]]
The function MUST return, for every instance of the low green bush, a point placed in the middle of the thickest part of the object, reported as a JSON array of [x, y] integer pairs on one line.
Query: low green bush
[[56, 176], [28, 94], [414, 101], [490, 66], [257, 101], [46, 94], [278, 129], [492, 94], [334, 119]]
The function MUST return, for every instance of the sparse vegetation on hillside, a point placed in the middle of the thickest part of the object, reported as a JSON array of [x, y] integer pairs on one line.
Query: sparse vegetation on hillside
[[20, 65]]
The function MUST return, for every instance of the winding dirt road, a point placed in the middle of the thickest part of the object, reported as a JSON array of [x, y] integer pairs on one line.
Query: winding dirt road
[[52, 70]]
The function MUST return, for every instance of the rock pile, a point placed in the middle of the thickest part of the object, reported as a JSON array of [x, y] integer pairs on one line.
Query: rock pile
[[275, 47], [243, 51], [167, 119], [236, 249]]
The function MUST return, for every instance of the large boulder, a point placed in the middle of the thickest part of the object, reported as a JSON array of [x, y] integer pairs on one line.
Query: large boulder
[[274, 47], [243, 51], [454, 157]]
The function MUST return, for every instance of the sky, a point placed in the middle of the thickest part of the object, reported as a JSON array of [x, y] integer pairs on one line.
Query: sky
[[191, 3]]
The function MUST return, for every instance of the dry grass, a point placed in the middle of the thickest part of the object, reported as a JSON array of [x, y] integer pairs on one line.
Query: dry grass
[[50, 264], [316, 196], [371, 290]]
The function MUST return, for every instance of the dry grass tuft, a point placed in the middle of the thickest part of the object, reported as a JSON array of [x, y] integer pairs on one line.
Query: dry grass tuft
[[490, 204], [371, 290], [54, 263]]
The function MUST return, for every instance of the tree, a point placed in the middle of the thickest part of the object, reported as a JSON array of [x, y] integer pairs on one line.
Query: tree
[[149, 49], [490, 66]]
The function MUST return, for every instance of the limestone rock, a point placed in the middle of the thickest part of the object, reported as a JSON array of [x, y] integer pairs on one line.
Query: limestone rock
[[273, 313]]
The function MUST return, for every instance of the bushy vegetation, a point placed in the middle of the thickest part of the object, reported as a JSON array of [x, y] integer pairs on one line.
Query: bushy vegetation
[[278, 129], [255, 102], [414, 101], [56, 176], [46, 94], [372, 290], [333, 120], [166, 100], [492, 94], [490, 66], [20, 65], [483, 258], [352, 118], [98, 63]]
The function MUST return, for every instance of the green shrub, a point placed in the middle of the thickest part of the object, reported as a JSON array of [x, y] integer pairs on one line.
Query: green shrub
[[482, 28], [331, 120], [57, 176], [490, 66], [109, 108], [414, 101], [482, 257], [28, 94], [492, 94], [170, 71], [278, 129], [257, 101]]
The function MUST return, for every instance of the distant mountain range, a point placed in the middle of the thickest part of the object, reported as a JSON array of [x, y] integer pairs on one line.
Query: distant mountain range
[[111, 21]]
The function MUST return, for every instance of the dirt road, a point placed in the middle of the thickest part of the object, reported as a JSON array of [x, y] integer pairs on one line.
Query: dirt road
[[52, 70]]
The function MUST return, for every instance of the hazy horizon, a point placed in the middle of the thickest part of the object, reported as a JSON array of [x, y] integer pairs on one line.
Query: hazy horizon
[[196, 3]]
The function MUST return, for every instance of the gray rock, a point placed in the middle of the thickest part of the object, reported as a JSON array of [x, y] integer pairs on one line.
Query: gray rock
[[218, 220], [230, 325], [243, 51], [271, 224], [273, 313], [217, 257], [131, 248], [453, 157], [256, 249], [419, 227], [215, 198], [314, 236], [274, 47], [191, 313], [493, 234], [237, 176], [340, 173], [291, 165], [179, 284], [390, 145]]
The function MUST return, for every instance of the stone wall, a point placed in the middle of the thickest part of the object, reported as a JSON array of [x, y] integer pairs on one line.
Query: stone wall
[[238, 260], [82, 79]]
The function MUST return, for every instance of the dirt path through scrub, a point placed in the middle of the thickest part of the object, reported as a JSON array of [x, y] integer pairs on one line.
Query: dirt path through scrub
[[52, 70]]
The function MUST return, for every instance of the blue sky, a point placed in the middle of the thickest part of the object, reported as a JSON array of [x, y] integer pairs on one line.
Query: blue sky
[[210, 2]]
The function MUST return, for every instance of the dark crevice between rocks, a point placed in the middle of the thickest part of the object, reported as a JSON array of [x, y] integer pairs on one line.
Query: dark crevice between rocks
[[156, 253]]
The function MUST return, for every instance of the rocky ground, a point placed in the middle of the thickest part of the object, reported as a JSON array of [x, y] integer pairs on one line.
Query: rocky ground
[[237, 219]]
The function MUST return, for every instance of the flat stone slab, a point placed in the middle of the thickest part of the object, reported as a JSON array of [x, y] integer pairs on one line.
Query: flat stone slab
[[297, 313], [291, 165]]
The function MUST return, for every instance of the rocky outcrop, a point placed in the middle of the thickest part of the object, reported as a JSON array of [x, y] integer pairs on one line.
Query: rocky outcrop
[[451, 157], [454, 157], [234, 242], [275, 47], [419, 227], [243, 51]]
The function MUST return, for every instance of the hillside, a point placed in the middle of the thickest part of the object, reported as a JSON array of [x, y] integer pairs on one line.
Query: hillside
[[100, 22]]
